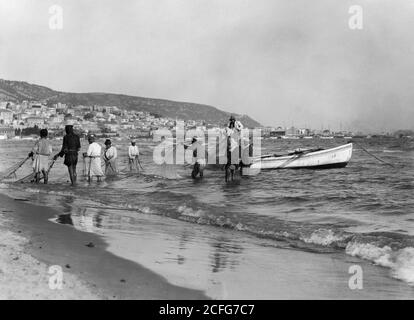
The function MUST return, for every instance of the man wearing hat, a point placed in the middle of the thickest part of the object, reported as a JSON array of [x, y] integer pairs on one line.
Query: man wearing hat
[[94, 155], [133, 156], [70, 148], [41, 152], [110, 156], [233, 132], [234, 126]]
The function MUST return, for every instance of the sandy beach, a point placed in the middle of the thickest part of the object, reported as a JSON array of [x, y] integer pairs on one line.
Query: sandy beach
[[147, 264], [30, 244]]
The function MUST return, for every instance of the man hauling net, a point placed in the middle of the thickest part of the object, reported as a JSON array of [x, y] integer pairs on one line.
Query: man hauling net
[[94, 155], [41, 153], [70, 148]]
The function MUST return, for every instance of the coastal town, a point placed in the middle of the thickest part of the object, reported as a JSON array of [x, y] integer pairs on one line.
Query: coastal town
[[23, 120]]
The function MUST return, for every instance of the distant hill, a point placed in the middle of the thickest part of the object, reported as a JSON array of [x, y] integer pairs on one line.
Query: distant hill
[[18, 91]]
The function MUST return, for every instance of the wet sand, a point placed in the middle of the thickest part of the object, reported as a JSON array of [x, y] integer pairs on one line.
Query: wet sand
[[227, 264], [142, 256], [98, 273]]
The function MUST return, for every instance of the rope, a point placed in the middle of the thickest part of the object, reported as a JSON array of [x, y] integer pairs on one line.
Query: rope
[[31, 176], [373, 155], [139, 163]]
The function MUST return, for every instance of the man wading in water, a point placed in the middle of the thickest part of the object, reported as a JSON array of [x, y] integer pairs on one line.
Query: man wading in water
[[70, 148], [133, 156], [94, 155], [233, 138], [41, 152], [110, 156]]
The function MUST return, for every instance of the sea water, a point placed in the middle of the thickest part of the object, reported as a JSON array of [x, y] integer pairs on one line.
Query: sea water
[[365, 210]]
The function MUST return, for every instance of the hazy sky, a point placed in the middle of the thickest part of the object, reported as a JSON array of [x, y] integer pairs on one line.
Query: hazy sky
[[282, 62]]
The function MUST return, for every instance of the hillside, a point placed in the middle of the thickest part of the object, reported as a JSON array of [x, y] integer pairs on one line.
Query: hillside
[[17, 91]]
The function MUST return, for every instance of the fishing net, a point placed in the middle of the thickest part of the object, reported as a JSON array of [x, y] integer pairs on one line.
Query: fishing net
[[168, 169], [30, 177], [11, 172]]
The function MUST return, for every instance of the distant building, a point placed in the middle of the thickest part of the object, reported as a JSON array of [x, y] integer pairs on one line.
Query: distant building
[[113, 127], [60, 107], [7, 132], [265, 131], [6, 117], [56, 120], [304, 132], [326, 133], [38, 108], [35, 121], [278, 132], [89, 126], [292, 131]]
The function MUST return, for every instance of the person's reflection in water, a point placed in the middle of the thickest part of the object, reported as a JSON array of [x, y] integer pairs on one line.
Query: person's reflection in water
[[98, 219], [182, 245], [66, 203], [225, 254], [65, 219]]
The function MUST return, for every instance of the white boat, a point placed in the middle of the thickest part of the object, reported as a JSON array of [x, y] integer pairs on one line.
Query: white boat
[[306, 158], [3, 136]]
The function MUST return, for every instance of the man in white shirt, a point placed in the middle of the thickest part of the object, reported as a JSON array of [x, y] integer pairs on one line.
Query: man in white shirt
[[233, 132], [94, 155], [133, 156]]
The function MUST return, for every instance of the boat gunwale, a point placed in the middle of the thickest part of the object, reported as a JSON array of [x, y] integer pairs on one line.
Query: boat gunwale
[[303, 155]]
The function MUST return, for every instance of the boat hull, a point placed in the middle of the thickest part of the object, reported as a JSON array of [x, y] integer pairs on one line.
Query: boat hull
[[323, 159]]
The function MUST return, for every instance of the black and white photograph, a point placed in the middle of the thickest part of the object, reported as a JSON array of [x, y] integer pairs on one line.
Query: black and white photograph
[[206, 150]]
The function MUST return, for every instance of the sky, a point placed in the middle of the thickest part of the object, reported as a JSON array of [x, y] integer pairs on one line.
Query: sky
[[282, 62]]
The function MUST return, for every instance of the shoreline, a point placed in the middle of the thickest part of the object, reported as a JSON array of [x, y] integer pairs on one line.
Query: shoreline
[[90, 270]]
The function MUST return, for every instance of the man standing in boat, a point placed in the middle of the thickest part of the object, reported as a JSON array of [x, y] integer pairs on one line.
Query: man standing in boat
[[233, 133], [70, 148], [234, 126]]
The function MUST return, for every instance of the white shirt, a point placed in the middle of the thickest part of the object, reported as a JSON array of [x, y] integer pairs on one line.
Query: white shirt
[[237, 128], [238, 125], [133, 152], [111, 153], [229, 131], [94, 150], [43, 147]]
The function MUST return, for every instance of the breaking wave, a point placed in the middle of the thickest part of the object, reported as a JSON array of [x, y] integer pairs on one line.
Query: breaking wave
[[390, 250], [401, 262]]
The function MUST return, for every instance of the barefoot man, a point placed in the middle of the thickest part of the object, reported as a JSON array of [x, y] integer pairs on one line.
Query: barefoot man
[[70, 148], [110, 156], [133, 156], [41, 152], [94, 155]]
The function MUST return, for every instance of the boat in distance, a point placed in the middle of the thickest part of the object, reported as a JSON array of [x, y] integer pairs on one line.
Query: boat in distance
[[337, 157]]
